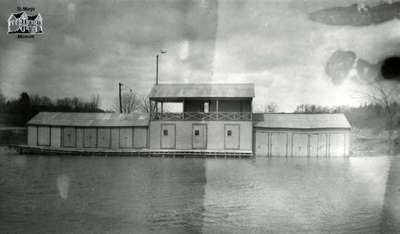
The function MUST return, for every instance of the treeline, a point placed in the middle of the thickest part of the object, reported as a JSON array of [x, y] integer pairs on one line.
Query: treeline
[[19, 110], [373, 116]]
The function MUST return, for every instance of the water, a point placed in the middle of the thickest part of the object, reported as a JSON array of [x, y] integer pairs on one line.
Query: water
[[42, 194]]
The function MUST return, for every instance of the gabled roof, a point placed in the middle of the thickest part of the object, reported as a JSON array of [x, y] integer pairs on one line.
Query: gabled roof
[[209, 90], [89, 119], [301, 121]]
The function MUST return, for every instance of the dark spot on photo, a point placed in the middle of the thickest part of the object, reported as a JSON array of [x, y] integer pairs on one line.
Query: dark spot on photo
[[390, 68]]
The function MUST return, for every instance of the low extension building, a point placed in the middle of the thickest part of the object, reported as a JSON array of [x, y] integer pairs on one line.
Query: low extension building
[[301, 135], [207, 119], [88, 130]]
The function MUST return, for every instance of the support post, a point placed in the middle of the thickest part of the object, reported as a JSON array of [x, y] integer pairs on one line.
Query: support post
[[217, 108], [120, 97], [251, 109]]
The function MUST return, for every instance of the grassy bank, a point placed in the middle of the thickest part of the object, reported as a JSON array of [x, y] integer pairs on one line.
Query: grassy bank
[[366, 142]]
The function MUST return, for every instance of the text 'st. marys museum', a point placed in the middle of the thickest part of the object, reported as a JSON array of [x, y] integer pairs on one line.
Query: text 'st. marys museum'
[[216, 120]]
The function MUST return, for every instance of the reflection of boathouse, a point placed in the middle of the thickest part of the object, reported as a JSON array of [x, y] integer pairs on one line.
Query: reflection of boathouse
[[206, 119]]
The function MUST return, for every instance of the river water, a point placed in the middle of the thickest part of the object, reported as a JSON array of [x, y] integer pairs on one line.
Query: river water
[[52, 194]]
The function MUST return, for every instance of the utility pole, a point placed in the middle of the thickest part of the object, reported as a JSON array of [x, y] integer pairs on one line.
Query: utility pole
[[161, 52], [120, 97], [157, 69]]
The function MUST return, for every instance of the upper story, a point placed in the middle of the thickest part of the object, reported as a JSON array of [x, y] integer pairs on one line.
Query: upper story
[[201, 102]]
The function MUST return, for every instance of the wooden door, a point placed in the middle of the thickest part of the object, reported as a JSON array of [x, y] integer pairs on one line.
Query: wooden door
[[90, 137], [300, 145], [32, 135], [278, 144], [69, 137], [337, 144], [114, 138], [44, 136], [322, 145], [103, 138], [314, 144], [261, 143], [232, 136], [80, 138], [140, 137], [199, 136], [125, 137], [168, 136]]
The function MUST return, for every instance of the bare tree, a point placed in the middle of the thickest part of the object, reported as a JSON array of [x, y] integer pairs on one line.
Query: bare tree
[[386, 94], [145, 106], [130, 103], [271, 107]]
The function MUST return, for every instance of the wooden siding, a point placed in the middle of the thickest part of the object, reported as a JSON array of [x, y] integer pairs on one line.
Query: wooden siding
[[103, 138], [140, 137], [261, 143], [55, 133], [232, 136], [215, 134], [300, 144], [125, 137], [114, 138], [32, 135], [295, 143], [199, 136], [90, 137], [278, 144], [69, 137], [80, 138], [168, 136], [43, 136]]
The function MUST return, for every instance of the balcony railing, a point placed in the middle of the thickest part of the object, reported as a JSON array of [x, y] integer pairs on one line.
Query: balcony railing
[[198, 116]]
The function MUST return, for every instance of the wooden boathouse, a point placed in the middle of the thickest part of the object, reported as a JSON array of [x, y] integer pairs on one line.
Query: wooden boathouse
[[207, 120]]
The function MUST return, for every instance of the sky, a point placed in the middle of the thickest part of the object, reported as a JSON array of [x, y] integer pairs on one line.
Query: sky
[[90, 46]]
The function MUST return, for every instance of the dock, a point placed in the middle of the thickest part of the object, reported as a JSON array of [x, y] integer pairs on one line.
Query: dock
[[46, 150]]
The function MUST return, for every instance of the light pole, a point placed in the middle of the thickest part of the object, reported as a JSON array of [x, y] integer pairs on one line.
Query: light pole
[[161, 52], [120, 97]]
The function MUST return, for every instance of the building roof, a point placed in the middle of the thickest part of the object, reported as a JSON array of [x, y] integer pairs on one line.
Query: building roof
[[176, 91], [301, 121], [89, 119]]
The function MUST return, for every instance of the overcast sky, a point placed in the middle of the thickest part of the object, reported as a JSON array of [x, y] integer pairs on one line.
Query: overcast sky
[[90, 46]]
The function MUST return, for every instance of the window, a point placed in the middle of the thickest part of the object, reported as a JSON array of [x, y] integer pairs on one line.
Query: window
[[165, 132], [196, 132], [229, 132], [206, 107]]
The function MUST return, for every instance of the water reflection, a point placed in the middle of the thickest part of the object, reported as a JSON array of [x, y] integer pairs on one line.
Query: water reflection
[[391, 208], [295, 195], [63, 186], [156, 195], [102, 195]]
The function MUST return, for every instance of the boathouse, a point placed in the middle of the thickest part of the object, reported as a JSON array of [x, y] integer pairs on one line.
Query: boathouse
[[88, 130], [207, 120], [300, 135], [215, 117]]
